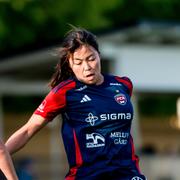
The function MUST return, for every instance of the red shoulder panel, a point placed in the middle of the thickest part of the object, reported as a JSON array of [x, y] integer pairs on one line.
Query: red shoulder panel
[[127, 82], [55, 101]]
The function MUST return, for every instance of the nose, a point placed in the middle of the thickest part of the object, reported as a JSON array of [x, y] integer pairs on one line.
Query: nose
[[87, 67]]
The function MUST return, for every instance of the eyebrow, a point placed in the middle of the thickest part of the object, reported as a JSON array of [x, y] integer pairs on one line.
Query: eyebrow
[[86, 57]]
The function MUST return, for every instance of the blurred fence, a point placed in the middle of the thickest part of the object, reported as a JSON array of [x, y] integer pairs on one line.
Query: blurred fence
[[161, 167], [155, 167]]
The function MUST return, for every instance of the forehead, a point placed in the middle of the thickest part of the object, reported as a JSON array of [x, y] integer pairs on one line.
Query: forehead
[[84, 50]]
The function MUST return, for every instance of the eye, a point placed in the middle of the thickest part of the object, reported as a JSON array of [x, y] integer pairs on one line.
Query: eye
[[92, 58], [77, 61]]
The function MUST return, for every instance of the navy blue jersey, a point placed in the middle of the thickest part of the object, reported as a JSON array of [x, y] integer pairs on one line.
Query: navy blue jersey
[[96, 127]]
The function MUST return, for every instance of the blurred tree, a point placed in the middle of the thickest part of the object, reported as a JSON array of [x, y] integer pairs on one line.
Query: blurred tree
[[163, 104], [130, 10], [31, 24]]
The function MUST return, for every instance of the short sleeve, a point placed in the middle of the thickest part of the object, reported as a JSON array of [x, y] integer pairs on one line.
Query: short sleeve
[[54, 103], [126, 82]]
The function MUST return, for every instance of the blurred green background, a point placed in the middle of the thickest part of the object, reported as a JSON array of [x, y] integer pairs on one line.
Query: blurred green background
[[32, 24], [30, 28]]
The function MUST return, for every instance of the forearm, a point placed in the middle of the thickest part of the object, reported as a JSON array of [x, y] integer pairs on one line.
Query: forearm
[[6, 165], [18, 140], [25, 133]]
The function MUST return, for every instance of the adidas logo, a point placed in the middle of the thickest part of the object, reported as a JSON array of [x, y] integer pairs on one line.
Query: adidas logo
[[86, 98]]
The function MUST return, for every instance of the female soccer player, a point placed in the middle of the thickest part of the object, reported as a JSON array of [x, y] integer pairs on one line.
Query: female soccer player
[[96, 112]]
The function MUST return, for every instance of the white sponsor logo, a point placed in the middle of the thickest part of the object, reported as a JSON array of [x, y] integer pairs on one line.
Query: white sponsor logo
[[115, 84], [91, 119], [120, 141], [103, 117], [96, 140], [81, 88], [119, 137], [136, 178], [42, 105], [85, 98], [115, 116]]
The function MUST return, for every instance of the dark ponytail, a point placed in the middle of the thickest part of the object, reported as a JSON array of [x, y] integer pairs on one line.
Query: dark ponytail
[[73, 40]]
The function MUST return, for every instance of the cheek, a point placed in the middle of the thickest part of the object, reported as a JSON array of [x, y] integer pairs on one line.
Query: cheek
[[97, 65], [76, 70], [97, 62]]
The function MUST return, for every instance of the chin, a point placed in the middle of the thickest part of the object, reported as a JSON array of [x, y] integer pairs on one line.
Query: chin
[[90, 82]]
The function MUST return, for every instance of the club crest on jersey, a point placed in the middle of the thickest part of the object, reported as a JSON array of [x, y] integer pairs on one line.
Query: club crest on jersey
[[120, 99]]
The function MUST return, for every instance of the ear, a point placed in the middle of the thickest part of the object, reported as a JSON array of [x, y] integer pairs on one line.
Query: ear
[[70, 60]]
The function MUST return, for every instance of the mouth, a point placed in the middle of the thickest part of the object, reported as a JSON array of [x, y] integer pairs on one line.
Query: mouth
[[90, 75]]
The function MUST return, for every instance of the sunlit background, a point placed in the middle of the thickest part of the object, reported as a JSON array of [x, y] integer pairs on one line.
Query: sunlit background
[[137, 38]]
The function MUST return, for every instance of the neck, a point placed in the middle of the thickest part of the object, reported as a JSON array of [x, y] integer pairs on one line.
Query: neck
[[100, 80]]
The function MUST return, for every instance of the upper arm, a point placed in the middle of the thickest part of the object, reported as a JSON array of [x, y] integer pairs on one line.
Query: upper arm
[[35, 123], [55, 102], [52, 105]]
